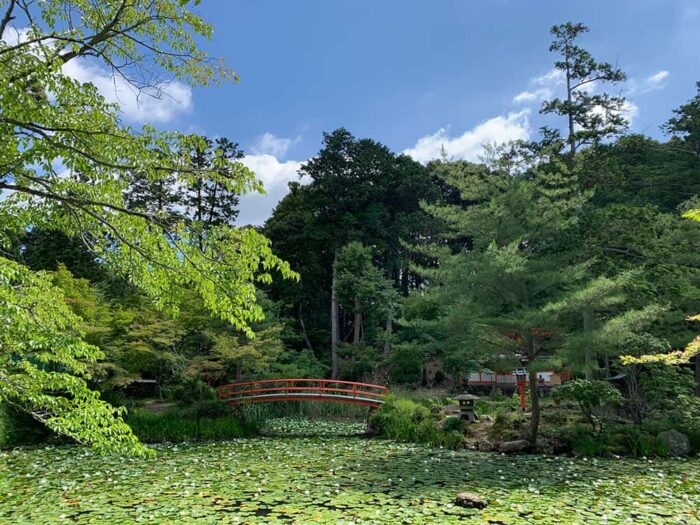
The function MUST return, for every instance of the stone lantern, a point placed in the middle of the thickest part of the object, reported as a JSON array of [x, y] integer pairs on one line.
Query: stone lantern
[[466, 407]]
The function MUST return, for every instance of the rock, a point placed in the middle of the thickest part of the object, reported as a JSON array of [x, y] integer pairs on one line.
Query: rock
[[676, 442], [487, 418], [469, 500], [544, 446], [514, 447], [484, 445], [560, 445]]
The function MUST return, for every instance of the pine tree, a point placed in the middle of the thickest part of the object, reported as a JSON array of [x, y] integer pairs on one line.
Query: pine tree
[[591, 115], [492, 293]]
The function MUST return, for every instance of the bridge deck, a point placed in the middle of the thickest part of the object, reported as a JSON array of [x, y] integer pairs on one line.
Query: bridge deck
[[271, 390]]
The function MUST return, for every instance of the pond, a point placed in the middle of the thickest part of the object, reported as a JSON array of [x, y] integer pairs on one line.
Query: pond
[[308, 473]]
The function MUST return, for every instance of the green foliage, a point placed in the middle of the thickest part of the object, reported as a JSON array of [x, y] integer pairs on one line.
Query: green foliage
[[626, 440], [68, 164], [453, 424], [364, 291], [190, 390], [359, 192], [406, 420], [589, 395], [44, 364], [685, 125], [176, 427]]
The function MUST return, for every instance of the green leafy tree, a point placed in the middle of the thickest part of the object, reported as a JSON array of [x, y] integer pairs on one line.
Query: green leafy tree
[[370, 296], [363, 289], [358, 190], [65, 164], [208, 202], [44, 364], [589, 395]]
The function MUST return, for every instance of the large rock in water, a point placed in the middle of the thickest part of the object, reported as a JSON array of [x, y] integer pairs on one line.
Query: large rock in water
[[468, 500], [514, 447], [676, 442]]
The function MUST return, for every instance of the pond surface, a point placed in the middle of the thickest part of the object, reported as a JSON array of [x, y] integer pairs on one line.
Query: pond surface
[[292, 478]]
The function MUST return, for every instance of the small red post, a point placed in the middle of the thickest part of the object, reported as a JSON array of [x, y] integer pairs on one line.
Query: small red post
[[354, 391], [521, 387]]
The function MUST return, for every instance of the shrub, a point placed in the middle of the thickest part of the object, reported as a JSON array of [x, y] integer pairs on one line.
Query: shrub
[[190, 390], [212, 409], [201, 420], [510, 420], [406, 420], [636, 442], [453, 424], [583, 443], [622, 440], [556, 417], [589, 395]]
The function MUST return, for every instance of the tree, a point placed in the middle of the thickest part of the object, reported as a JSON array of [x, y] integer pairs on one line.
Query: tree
[[691, 351], [48, 250], [44, 364], [358, 191], [65, 164], [601, 294], [491, 293], [591, 116], [229, 355], [209, 202], [363, 289], [685, 126]]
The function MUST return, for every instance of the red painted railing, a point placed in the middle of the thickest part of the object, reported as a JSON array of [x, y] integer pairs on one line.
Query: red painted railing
[[268, 390]]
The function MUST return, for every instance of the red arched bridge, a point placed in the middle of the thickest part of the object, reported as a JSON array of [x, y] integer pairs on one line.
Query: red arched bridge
[[268, 390]]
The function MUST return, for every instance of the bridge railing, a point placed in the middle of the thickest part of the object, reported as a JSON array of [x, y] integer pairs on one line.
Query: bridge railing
[[302, 389]]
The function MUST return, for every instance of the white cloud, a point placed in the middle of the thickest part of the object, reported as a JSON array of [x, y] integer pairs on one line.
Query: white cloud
[[256, 208], [630, 110], [469, 145], [656, 81], [541, 88], [159, 103], [525, 97], [268, 143], [13, 35], [271, 171]]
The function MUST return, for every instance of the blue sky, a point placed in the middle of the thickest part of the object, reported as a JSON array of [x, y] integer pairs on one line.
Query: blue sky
[[413, 74]]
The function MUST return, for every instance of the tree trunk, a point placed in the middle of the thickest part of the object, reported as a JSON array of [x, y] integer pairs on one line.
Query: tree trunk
[[534, 391], [304, 334], [636, 402], [590, 357], [570, 116], [387, 335], [239, 372], [404, 282], [357, 322], [334, 325], [697, 375]]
